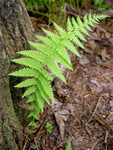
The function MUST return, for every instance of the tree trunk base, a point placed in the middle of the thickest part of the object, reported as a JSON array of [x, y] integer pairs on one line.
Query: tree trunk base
[[15, 30]]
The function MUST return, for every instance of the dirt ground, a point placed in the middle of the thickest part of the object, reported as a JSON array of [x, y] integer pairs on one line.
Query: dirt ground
[[83, 108]]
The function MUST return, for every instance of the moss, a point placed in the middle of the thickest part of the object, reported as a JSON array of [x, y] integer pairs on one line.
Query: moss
[[9, 139], [6, 37], [22, 112]]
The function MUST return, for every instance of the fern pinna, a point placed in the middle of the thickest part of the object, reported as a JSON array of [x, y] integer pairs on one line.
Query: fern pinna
[[53, 48]]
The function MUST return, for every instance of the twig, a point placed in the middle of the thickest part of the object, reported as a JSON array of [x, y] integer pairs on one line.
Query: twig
[[101, 28], [35, 142], [103, 122], [95, 144], [42, 125], [106, 137], [27, 139], [25, 144], [71, 13], [95, 109]]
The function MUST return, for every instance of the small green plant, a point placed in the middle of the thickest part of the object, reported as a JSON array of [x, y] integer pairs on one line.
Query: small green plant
[[35, 146], [53, 48], [37, 3], [101, 4], [112, 5], [52, 9], [49, 127], [69, 144], [96, 2]]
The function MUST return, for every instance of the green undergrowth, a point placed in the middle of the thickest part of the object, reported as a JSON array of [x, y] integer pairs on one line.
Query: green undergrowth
[[69, 144]]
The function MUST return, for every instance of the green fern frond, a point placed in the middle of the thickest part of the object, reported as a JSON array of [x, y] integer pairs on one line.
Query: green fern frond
[[70, 46], [52, 48], [99, 17], [43, 48], [69, 25], [77, 41], [47, 41], [39, 66], [56, 70], [53, 36], [60, 59], [31, 98], [32, 123], [29, 62], [47, 87], [34, 115], [26, 72], [86, 23], [40, 100], [46, 74], [57, 55], [35, 55], [42, 92], [30, 90], [76, 30], [54, 53], [63, 54], [60, 30], [26, 83], [35, 107]]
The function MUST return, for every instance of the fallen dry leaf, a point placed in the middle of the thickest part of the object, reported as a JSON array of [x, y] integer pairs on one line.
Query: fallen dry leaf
[[61, 116]]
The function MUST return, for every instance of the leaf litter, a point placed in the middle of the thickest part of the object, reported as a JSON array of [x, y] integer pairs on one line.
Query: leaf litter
[[83, 108]]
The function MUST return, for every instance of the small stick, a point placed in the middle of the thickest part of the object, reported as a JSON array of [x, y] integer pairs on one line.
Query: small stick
[[95, 144], [25, 144], [27, 139], [35, 142], [43, 123], [95, 109], [106, 137]]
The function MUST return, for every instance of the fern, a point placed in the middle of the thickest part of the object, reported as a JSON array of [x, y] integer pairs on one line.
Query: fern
[[53, 48]]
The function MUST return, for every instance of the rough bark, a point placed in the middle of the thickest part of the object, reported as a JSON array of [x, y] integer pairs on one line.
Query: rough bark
[[15, 30]]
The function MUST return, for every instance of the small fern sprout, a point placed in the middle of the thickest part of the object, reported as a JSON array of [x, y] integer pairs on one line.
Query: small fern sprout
[[53, 48]]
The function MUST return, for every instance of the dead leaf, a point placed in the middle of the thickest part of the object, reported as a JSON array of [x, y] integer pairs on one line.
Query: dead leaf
[[103, 54], [108, 35], [92, 44], [62, 116], [84, 60]]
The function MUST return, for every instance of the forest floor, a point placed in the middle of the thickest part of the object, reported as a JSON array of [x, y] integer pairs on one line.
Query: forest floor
[[83, 108]]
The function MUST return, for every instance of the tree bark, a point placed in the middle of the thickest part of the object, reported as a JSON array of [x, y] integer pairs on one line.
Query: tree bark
[[15, 30]]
